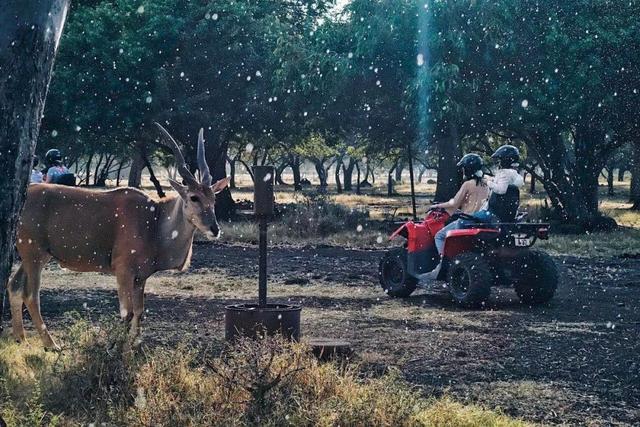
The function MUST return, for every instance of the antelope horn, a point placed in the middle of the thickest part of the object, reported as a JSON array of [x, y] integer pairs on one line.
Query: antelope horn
[[202, 161], [180, 163]]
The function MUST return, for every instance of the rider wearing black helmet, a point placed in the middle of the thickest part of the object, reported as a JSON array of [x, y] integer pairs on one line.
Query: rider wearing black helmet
[[507, 156], [471, 165], [469, 199], [56, 172]]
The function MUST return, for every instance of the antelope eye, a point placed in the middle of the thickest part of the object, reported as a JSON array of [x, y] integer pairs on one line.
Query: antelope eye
[[195, 199]]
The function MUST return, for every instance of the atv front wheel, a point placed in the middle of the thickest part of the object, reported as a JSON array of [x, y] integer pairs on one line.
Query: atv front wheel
[[394, 278], [470, 277], [536, 277]]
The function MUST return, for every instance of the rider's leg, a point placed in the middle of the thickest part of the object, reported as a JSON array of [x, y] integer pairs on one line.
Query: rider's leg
[[440, 238]]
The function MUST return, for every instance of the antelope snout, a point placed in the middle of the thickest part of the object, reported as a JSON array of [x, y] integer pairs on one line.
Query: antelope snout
[[214, 232]]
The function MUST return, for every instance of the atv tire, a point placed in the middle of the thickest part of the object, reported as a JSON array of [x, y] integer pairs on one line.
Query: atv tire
[[470, 277], [394, 278], [536, 277]]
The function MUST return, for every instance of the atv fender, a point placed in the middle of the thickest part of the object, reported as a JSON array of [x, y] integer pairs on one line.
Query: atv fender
[[422, 255], [465, 240]]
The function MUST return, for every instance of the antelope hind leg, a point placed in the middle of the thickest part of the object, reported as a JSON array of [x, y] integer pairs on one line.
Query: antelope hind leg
[[138, 310], [16, 289]]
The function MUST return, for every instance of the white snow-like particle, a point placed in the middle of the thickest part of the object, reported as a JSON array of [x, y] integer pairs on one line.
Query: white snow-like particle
[[525, 103], [152, 208], [214, 16], [359, 228], [267, 177], [420, 60], [148, 99], [77, 128], [379, 239], [54, 133], [174, 234], [248, 148], [133, 251], [350, 55], [140, 9]]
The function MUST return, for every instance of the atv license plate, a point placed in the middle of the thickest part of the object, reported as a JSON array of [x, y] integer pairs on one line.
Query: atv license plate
[[522, 241]]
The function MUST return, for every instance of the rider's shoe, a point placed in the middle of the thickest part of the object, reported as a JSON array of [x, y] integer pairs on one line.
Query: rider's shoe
[[431, 276]]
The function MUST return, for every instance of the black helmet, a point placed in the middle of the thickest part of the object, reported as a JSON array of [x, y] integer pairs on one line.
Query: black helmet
[[471, 164], [53, 156], [507, 155]]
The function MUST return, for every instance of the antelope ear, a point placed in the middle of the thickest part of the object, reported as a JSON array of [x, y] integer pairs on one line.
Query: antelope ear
[[220, 185], [181, 189]]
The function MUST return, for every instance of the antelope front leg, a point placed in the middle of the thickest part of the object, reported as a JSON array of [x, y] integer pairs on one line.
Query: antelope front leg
[[32, 301], [131, 298]]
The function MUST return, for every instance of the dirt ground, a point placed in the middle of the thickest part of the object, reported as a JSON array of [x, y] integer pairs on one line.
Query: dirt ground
[[574, 361]]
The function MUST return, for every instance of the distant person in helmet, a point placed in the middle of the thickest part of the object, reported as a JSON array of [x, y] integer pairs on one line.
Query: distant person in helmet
[[470, 198], [36, 175], [57, 173]]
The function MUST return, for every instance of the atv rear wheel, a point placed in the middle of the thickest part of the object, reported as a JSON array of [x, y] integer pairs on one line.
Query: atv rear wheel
[[470, 278], [394, 278], [537, 277]]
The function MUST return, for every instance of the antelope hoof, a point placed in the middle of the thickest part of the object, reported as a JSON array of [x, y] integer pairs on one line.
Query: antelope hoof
[[55, 348], [19, 337]]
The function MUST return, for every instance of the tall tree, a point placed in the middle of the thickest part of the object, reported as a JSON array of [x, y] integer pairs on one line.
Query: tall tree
[[29, 35]]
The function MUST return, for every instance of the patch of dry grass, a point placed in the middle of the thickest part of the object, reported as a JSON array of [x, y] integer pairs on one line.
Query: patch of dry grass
[[265, 382]]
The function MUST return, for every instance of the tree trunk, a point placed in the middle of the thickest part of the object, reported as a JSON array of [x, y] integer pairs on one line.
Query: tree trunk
[[398, 171], [29, 35], [322, 174], [216, 155], [295, 169], [232, 172], [337, 175], [135, 170], [621, 172], [390, 189], [152, 176], [635, 178], [279, 171], [96, 169], [119, 173], [347, 173], [357, 178], [532, 184], [449, 179], [610, 178], [87, 170]]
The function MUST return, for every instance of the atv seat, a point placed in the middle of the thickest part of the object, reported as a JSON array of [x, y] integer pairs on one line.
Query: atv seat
[[505, 206]]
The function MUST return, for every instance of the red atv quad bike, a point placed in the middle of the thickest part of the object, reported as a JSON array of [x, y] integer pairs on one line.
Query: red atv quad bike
[[476, 258]]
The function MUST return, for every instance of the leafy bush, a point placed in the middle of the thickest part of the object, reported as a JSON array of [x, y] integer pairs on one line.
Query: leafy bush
[[318, 215]]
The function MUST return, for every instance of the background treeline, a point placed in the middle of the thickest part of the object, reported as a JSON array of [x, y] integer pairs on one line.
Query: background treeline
[[360, 88]]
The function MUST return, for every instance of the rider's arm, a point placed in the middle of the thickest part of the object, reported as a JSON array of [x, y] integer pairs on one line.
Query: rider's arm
[[457, 200], [503, 179]]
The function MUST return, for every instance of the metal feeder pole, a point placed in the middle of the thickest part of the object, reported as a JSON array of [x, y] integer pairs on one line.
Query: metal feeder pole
[[263, 208], [262, 264]]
